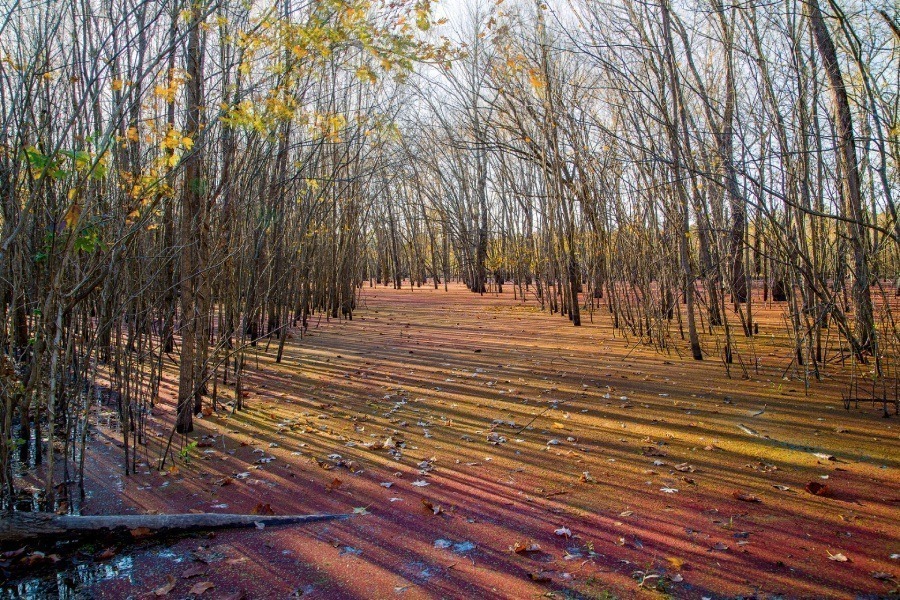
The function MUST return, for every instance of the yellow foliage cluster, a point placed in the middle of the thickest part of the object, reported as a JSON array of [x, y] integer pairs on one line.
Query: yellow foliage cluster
[[169, 90]]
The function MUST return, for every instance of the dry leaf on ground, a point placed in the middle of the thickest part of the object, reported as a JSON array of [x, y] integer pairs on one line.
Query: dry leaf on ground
[[200, 588], [164, 590], [745, 497]]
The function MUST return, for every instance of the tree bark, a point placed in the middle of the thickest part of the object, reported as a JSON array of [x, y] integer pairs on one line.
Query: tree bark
[[191, 230], [18, 527], [846, 150]]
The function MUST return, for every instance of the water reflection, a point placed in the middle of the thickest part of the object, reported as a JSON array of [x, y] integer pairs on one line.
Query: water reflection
[[71, 583]]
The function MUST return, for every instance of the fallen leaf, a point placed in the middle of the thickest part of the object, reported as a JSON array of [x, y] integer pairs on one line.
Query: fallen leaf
[[564, 531], [745, 497], [262, 509], [164, 590], [677, 563], [361, 510], [880, 575], [14, 553], [349, 465], [105, 554], [720, 546], [817, 489], [523, 548], [669, 490], [194, 571], [431, 506], [199, 588], [35, 558], [335, 484], [420, 483], [140, 532], [539, 577], [837, 557], [495, 438], [204, 556]]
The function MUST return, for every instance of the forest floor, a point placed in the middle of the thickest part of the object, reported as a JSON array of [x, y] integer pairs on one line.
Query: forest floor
[[461, 428]]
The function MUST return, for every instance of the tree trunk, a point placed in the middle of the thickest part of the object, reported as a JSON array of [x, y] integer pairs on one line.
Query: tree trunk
[[846, 150], [191, 230], [18, 527]]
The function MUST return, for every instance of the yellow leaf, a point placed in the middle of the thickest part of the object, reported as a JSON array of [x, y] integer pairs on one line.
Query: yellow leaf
[[187, 142], [117, 85], [167, 92], [172, 140], [366, 74], [72, 216]]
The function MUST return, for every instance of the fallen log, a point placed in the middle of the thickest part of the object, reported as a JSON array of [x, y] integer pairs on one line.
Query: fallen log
[[22, 526]]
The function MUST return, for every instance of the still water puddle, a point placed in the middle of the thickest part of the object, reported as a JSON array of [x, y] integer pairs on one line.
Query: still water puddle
[[69, 584], [73, 581]]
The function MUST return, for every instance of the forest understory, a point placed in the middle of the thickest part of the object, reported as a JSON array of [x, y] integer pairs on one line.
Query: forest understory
[[486, 452], [513, 299]]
